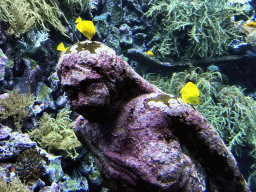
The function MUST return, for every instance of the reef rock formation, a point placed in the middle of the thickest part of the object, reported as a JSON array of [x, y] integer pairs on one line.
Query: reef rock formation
[[142, 138]]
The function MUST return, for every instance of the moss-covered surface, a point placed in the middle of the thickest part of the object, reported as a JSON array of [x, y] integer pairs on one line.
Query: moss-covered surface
[[226, 107], [160, 98], [44, 92], [84, 46], [189, 28]]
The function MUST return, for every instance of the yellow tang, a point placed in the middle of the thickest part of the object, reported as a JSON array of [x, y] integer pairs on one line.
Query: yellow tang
[[190, 94], [61, 47], [150, 53], [87, 28], [250, 23]]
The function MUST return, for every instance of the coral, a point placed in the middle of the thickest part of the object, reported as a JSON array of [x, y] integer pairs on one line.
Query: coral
[[17, 14], [22, 15], [226, 107], [57, 133], [250, 33], [14, 185], [16, 106], [78, 6], [29, 165], [193, 28], [33, 41]]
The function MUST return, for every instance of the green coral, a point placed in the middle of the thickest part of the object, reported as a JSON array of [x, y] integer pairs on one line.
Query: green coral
[[56, 133], [202, 28], [29, 165], [16, 106], [22, 15], [225, 107]]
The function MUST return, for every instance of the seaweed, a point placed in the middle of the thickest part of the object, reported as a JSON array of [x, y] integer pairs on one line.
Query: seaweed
[[226, 107], [56, 133], [22, 15], [78, 6], [16, 106], [189, 28]]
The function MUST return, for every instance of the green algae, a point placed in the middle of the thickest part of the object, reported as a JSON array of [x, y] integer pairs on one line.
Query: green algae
[[84, 46]]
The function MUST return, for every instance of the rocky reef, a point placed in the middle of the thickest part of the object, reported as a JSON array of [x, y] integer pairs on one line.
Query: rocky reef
[[141, 137]]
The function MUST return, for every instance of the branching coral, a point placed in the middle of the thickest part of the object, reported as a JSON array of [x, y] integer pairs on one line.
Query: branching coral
[[18, 14], [16, 106], [55, 134], [202, 28], [22, 15]]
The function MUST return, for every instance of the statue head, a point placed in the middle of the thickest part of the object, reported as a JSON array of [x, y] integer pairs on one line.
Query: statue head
[[95, 78]]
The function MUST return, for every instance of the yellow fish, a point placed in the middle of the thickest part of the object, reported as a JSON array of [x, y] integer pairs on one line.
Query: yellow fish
[[61, 47], [190, 94], [151, 54], [251, 24], [87, 28]]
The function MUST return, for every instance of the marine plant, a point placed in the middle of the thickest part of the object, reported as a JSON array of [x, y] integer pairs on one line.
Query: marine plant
[[16, 106], [29, 165], [78, 6], [189, 28], [56, 133], [22, 15], [226, 107]]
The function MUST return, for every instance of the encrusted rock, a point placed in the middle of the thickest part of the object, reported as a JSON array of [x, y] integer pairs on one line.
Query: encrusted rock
[[141, 137], [4, 132], [12, 144]]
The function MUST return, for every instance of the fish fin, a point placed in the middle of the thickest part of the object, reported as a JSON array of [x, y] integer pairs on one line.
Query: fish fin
[[78, 20], [61, 47]]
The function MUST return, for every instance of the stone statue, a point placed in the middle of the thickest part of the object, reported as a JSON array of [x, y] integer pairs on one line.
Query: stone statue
[[141, 137]]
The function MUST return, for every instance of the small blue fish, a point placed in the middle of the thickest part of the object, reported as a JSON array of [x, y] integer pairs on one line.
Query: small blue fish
[[213, 68]]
